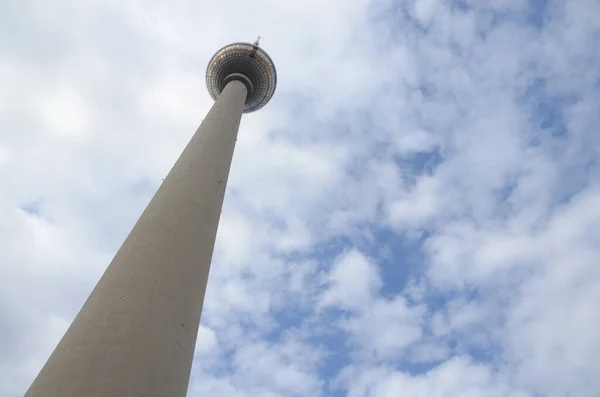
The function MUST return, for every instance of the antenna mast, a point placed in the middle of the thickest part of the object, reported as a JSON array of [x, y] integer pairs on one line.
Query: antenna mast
[[254, 47]]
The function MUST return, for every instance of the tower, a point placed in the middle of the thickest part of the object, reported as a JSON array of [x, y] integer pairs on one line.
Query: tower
[[135, 335]]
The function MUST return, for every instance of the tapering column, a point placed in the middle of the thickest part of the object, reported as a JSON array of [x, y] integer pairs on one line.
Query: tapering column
[[136, 333]]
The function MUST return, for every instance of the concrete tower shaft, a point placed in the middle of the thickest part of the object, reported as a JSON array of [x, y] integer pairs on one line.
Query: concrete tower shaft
[[135, 335]]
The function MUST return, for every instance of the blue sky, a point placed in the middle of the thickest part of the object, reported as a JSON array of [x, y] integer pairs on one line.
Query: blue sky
[[414, 213]]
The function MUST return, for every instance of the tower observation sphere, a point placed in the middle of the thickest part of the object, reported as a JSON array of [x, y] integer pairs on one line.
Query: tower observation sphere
[[247, 63]]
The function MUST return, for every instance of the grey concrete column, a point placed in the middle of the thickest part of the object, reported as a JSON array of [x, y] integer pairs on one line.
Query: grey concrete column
[[135, 334]]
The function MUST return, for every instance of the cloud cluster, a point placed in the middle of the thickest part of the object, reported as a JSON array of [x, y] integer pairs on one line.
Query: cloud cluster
[[415, 212]]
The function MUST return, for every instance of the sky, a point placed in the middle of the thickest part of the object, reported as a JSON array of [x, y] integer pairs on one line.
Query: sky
[[415, 213]]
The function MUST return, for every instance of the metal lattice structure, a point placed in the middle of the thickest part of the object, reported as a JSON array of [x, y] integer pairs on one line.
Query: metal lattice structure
[[247, 63]]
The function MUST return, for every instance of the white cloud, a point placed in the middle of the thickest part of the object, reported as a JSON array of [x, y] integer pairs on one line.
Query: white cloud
[[386, 328], [206, 341], [419, 207], [427, 169], [458, 377], [354, 280], [423, 11], [283, 369], [378, 327], [65, 114]]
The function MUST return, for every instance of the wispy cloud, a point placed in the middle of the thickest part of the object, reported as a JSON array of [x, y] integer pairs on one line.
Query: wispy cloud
[[414, 213]]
